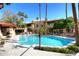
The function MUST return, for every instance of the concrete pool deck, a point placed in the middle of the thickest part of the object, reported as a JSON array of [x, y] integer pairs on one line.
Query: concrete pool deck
[[32, 52], [9, 50]]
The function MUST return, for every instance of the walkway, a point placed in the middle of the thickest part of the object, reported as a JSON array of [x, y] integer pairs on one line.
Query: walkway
[[33, 52]]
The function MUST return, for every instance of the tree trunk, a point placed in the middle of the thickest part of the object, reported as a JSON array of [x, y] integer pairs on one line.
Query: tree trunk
[[78, 11], [75, 22], [66, 10], [46, 20], [40, 25], [78, 15], [66, 22]]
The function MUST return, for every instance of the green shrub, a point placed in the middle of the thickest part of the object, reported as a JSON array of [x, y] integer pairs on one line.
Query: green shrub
[[73, 48], [66, 51], [36, 47], [77, 44], [61, 50], [47, 49], [55, 49]]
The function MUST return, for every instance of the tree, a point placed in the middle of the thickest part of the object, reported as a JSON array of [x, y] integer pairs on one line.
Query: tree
[[9, 16], [20, 21], [78, 10], [70, 24], [24, 25], [46, 20], [22, 14], [66, 16], [37, 18], [66, 10], [41, 30], [59, 25], [40, 25], [67, 24], [75, 23]]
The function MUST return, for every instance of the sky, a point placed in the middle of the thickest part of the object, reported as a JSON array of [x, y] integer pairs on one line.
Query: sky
[[55, 10]]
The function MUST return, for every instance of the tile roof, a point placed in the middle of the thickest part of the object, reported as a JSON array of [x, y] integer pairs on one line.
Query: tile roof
[[7, 24], [47, 21]]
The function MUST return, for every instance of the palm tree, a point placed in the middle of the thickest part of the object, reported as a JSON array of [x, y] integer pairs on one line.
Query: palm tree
[[66, 10], [40, 25], [65, 20], [46, 20], [75, 22], [37, 18], [78, 10], [22, 16]]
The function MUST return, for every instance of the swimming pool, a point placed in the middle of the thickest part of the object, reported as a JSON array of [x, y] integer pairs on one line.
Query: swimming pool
[[45, 40]]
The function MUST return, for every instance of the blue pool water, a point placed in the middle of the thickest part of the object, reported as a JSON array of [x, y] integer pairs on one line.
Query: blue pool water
[[45, 40]]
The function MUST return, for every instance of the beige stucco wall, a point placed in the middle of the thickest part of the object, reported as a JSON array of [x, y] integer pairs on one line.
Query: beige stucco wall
[[0, 33], [12, 31]]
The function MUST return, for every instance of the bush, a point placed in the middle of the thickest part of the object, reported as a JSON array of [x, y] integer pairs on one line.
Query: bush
[[36, 47], [61, 50], [73, 48], [47, 49], [77, 44], [55, 49], [66, 51]]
